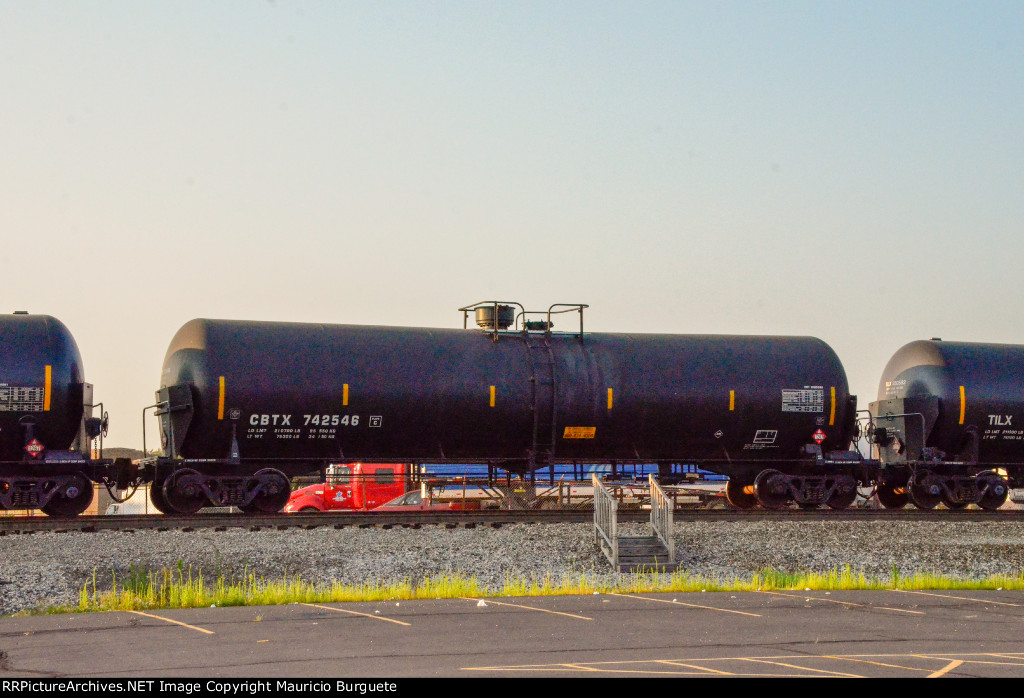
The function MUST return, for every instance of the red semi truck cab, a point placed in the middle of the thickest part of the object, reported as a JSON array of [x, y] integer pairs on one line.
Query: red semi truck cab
[[352, 487]]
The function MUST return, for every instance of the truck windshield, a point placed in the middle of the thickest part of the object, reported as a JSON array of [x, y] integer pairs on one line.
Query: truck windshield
[[339, 474]]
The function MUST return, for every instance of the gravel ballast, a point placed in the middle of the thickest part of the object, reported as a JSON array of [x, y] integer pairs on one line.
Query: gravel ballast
[[51, 568]]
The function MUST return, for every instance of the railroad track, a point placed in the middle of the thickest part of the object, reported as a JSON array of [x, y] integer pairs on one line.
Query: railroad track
[[16, 525]]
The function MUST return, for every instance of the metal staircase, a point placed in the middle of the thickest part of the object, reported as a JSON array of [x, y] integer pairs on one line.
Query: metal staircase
[[654, 553], [644, 554]]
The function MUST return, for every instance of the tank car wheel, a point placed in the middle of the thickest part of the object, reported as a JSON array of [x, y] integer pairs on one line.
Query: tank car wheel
[[771, 490], [275, 490], [156, 498], [924, 494], [740, 494], [892, 496], [996, 493], [183, 493], [72, 500]]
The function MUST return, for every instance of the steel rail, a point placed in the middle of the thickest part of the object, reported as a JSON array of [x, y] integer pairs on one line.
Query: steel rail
[[467, 519]]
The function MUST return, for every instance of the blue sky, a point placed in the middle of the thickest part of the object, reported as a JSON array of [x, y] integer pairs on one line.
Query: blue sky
[[845, 170]]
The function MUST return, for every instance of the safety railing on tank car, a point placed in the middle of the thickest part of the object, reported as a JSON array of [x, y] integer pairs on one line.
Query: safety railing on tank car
[[569, 307], [498, 320], [96, 427], [158, 405]]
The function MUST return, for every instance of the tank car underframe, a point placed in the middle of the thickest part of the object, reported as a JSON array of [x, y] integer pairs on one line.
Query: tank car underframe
[[255, 486], [809, 483], [926, 484], [61, 488]]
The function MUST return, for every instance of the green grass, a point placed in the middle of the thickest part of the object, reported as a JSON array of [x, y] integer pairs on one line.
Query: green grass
[[181, 587]]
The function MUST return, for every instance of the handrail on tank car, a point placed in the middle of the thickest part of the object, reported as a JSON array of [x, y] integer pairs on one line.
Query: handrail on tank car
[[519, 323], [569, 307], [158, 405], [102, 426]]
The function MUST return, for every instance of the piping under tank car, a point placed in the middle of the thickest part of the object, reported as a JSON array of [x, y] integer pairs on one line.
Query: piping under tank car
[[245, 406], [46, 421]]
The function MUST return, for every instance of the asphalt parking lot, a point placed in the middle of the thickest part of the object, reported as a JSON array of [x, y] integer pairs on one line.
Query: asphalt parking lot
[[765, 634]]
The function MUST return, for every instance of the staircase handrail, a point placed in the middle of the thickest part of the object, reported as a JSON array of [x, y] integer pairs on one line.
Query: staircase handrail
[[606, 520], [661, 516]]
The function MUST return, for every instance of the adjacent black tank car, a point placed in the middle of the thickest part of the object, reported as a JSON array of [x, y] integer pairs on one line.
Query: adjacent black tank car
[[41, 387], [46, 423], [949, 424]]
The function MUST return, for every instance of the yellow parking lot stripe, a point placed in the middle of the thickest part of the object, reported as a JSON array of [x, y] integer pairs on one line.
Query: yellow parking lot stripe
[[978, 661], [578, 667], [946, 669], [1006, 656], [612, 668], [844, 603], [694, 666], [356, 613], [802, 668], [865, 661], [530, 608], [949, 662], [961, 598], [691, 605], [176, 622]]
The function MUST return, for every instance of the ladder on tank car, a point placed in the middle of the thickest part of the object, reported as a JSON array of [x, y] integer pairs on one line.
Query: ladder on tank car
[[542, 361]]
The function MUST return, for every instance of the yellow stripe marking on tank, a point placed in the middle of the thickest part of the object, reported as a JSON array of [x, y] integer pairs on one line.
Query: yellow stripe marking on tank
[[732, 400], [609, 398], [344, 395], [963, 404], [832, 416], [220, 400], [492, 396], [47, 385]]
